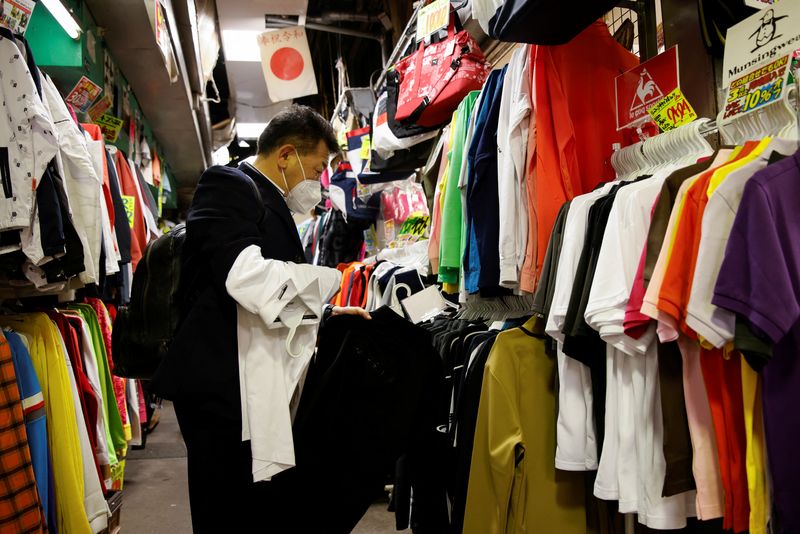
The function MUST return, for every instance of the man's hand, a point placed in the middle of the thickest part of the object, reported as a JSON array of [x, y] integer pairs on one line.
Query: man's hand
[[350, 310]]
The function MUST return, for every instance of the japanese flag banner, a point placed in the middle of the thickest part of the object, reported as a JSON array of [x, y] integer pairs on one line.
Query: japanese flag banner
[[286, 61]]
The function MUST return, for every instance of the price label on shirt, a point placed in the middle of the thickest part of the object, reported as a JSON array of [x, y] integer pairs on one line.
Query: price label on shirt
[[761, 86], [129, 201], [365, 147], [432, 18], [672, 111]]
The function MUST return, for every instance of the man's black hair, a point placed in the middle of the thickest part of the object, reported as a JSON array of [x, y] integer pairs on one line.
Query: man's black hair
[[300, 126]]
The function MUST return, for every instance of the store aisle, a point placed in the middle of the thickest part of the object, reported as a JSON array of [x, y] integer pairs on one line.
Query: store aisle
[[156, 499]]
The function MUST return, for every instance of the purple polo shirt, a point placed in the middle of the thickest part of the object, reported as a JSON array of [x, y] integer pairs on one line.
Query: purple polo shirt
[[760, 281]]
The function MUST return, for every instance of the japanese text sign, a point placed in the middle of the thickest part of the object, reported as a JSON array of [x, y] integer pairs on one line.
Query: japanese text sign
[[83, 94], [757, 88], [111, 126], [760, 39], [672, 111]]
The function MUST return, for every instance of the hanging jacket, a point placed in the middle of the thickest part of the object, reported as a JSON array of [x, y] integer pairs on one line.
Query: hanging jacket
[[80, 179], [27, 143], [225, 218]]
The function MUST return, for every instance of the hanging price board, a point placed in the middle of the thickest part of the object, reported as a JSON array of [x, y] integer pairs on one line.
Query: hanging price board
[[672, 111], [111, 126], [100, 107], [757, 88], [432, 18], [16, 14], [83, 94]]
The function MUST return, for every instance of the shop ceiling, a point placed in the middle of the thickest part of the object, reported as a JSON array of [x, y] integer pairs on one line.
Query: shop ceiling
[[361, 32], [178, 118]]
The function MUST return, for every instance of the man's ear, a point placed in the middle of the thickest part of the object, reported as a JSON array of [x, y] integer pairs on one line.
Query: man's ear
[[284, 152]]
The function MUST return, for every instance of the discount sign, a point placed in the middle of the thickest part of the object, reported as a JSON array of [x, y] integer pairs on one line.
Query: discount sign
[[759, 87], [672, 111]]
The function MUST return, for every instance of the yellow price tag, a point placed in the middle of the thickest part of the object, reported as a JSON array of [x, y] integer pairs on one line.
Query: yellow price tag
[[129, 201], [365, 147], [672, 111]]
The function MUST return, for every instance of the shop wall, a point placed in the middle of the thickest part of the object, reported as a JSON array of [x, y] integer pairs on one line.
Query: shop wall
[[698, 75]]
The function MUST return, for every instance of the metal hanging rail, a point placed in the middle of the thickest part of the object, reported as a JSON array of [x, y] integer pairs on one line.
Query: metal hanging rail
[[409, 33]]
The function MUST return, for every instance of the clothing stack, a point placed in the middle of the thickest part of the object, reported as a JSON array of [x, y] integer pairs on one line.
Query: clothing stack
[[69, 419]]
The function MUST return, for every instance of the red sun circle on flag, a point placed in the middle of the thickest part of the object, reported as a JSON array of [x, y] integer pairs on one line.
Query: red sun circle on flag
[[286, 63]]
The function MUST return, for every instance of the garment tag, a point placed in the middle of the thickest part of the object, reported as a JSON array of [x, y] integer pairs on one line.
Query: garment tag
[[365, 147], [451, 47], [424, 305]]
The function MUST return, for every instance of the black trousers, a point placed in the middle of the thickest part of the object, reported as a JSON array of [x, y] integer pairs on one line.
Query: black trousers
[[222, 495]]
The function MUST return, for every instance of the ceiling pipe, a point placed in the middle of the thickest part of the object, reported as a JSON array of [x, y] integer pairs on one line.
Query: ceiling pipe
[[334, 16], [274, 22]]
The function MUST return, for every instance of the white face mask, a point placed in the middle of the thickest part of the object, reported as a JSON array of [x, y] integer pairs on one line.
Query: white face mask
[[305, 195]]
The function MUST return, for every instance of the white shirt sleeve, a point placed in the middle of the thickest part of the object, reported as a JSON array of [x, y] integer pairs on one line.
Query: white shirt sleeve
[[512, 137], [279, 309]]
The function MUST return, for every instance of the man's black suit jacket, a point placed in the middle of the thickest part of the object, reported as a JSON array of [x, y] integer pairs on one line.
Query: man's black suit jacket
[[225, 218]]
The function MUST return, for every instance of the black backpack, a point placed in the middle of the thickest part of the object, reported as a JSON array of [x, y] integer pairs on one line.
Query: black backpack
[[144, 329]]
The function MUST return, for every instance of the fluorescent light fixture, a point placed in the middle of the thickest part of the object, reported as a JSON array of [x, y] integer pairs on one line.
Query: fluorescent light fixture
[[241, 45], [243, 144], [64, 17], [249, 130]]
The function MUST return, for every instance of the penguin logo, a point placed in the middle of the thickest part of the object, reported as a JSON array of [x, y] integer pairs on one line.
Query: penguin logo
[[768, 31]]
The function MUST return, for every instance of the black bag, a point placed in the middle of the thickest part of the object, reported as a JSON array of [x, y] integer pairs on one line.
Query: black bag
[[399, 129], [145, 328], [545, 22]]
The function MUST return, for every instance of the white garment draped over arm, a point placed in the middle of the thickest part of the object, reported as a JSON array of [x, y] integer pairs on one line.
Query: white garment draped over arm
[[279, 306]]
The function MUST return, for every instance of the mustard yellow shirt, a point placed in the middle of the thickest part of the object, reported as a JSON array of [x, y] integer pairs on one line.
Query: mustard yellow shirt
[[514, 486]]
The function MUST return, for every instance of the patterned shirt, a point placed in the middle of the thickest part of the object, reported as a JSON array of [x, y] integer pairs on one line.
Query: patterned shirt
[[20, 507]]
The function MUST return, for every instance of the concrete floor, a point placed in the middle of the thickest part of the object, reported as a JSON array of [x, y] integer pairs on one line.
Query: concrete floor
[[156, 496]]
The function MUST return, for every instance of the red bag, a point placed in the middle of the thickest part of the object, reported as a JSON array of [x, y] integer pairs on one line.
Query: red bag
[[436, 78]]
